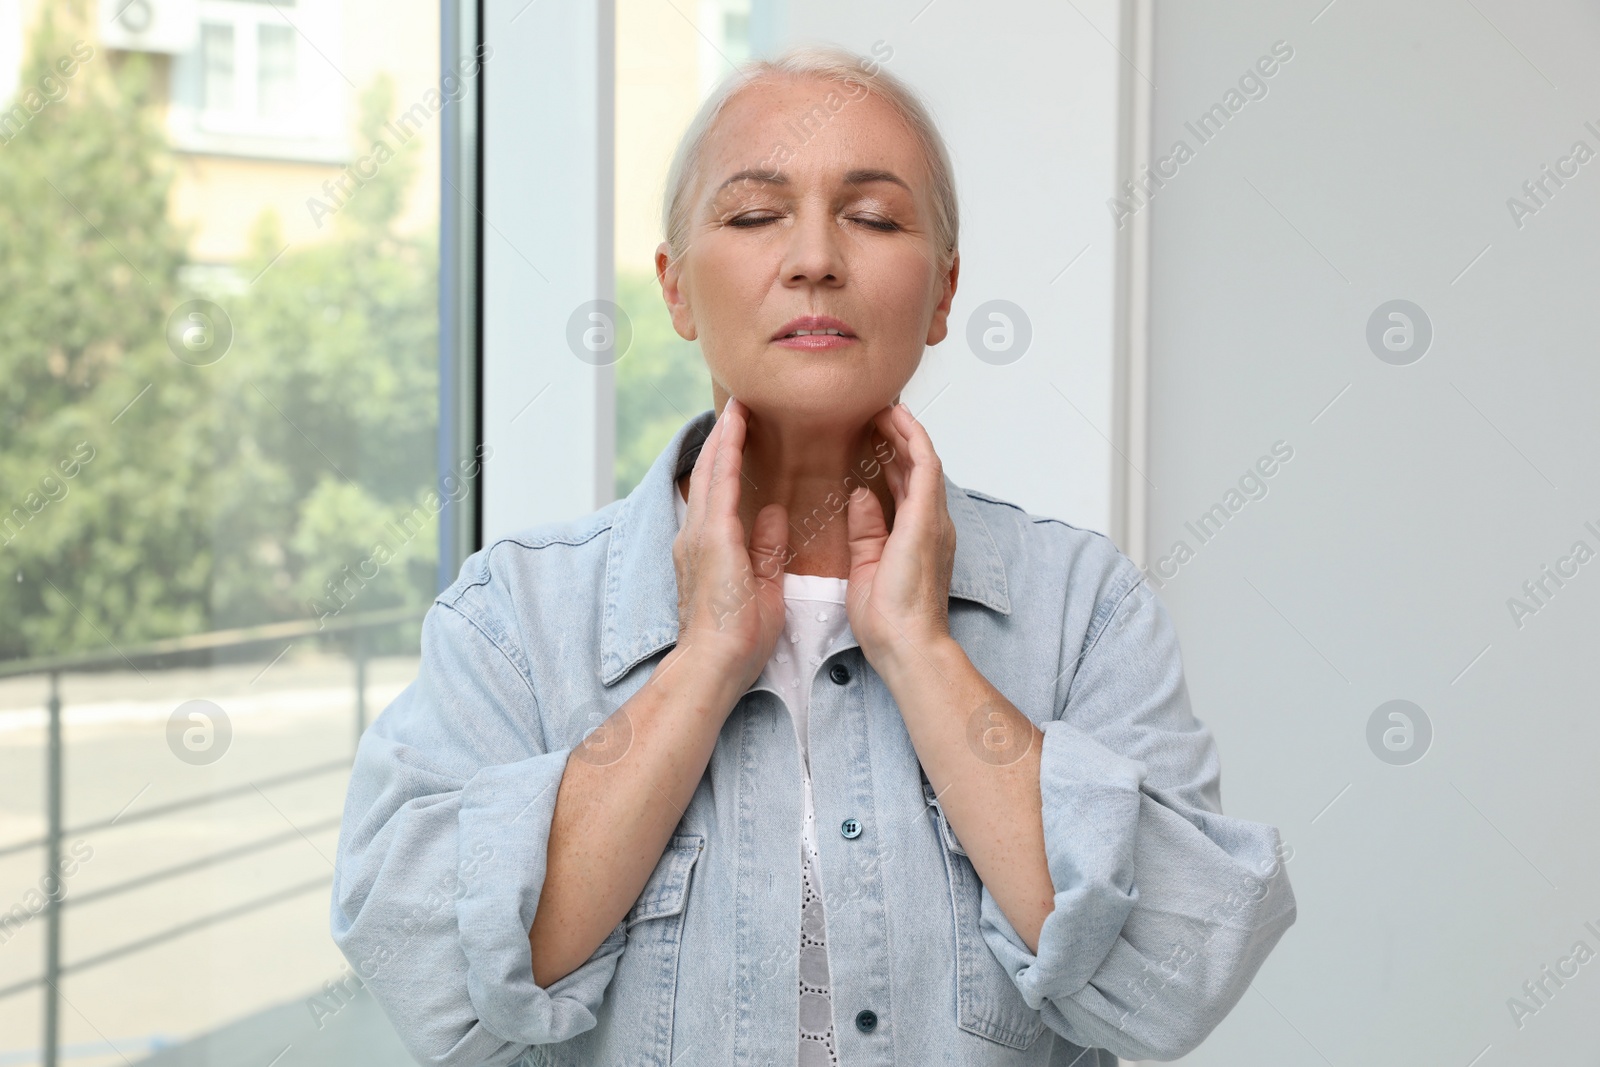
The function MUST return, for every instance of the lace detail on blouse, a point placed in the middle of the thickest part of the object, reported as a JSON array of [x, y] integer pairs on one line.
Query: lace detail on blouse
[[816, 1002]]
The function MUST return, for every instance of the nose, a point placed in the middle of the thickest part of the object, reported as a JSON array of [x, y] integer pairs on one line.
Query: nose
[[813, 254]]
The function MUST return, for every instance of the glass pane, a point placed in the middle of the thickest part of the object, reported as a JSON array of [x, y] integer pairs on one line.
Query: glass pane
[[668, 58], [218, 412], [216, 50], [275, 68]]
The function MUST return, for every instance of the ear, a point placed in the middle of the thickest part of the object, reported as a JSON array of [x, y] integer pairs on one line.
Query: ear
[[939, 327], [668, 273]]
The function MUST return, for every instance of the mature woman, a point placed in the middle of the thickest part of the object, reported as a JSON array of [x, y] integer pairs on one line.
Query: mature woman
[[801, 751]]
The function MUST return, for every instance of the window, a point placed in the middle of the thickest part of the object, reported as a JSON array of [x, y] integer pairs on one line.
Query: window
[[275, 84], [220, 397], [263, 81], [216, 52]]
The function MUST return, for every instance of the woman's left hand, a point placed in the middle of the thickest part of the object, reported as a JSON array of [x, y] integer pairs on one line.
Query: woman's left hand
[[898, 599]]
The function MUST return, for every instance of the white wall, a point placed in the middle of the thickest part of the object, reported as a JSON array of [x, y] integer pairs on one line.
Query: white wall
[[1380, 563]]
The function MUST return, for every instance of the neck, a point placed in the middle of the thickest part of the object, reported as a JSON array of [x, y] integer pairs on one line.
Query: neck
[[811, 470]]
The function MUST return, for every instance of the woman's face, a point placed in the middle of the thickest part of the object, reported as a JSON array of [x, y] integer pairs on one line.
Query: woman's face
[[838, 226]]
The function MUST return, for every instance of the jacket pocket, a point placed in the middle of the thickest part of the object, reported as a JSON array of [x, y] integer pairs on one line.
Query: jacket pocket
[[667, 889], [987, 1001], [634, 1024]]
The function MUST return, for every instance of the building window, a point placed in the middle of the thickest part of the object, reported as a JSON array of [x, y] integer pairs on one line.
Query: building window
[[275, 66], [216, 53], [262, 81]]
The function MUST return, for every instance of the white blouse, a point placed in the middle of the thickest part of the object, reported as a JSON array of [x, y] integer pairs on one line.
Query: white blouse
[[815, 616]]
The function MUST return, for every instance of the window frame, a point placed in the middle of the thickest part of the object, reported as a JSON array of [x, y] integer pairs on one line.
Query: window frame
[[460, 289]]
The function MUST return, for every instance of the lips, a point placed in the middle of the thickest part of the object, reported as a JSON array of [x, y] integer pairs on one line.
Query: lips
[[814, 326]]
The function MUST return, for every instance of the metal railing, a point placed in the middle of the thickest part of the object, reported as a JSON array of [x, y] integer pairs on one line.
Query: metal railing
[[54, 666]]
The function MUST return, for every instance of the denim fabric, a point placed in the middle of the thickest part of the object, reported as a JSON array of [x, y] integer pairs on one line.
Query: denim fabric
[[1164, 909]]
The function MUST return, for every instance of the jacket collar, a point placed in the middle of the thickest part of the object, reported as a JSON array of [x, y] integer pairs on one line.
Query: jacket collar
[[641, 583]]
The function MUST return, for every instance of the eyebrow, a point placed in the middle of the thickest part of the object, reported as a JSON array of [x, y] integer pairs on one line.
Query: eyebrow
[[854, 177]]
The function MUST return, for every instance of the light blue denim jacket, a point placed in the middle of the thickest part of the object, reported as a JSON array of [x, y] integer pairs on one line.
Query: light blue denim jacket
[[1164, 909]]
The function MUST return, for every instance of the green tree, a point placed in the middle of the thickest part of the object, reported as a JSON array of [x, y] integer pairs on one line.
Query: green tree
[[335, 374], [88, 268], [213, 495]]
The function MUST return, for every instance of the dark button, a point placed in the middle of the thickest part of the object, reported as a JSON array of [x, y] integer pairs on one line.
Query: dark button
[[850, 828], [840, 674], [866, 1021]]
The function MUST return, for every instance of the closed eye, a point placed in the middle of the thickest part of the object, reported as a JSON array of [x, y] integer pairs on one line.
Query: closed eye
[[746, 222], [877, 224]]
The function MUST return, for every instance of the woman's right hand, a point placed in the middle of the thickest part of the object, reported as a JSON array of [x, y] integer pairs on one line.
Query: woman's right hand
[[730, 594]]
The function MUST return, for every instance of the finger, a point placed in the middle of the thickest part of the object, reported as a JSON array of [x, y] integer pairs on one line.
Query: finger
[[722, 501], [866, 528], [926, 471], [915, 435], [894, 468], [894, 472], [700, 476], [889, 426]]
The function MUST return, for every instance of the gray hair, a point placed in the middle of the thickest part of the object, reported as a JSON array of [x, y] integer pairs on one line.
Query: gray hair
[[829, 63]]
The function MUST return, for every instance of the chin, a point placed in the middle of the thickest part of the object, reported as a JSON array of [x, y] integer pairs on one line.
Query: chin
[[819, 408]]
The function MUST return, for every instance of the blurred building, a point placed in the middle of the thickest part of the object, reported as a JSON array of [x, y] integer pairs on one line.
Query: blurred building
[[261, 101]]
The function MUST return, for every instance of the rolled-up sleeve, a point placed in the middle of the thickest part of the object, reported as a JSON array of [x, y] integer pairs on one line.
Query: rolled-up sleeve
[[441, 858], [1164, 907]]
